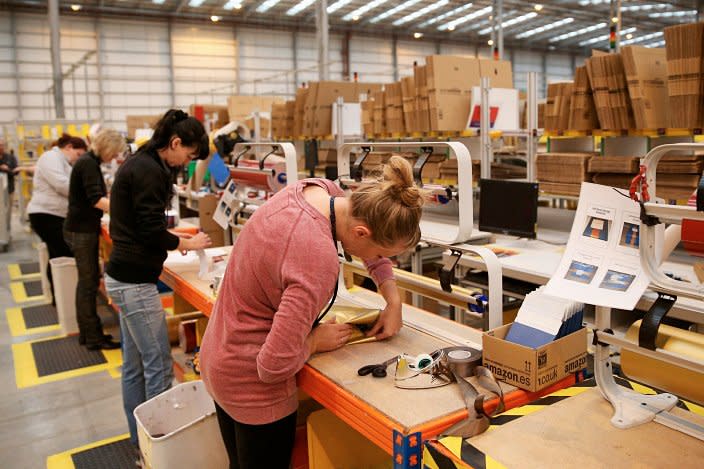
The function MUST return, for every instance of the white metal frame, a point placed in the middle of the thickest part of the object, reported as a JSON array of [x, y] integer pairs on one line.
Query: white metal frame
[[630, 407]]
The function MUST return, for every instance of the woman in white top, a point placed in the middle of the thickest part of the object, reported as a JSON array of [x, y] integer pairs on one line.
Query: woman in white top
[[49, 204]]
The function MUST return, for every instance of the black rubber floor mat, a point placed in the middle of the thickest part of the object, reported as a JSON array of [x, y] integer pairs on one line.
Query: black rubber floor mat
[[64, 354], [40, 316], [33, 288], [117, 455], [29, 268]]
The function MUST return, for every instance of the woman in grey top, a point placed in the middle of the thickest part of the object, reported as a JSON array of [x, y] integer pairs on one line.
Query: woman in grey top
[[49, 204]]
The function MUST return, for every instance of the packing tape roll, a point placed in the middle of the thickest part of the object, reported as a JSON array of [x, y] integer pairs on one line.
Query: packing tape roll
[[463, 360]]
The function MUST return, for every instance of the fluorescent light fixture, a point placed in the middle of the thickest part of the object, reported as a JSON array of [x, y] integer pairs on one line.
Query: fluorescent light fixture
[[337, 5], [456, 22], [394, 10], [511, 22], [629, 36], [538, 7], [656, 44], [158, 2], [362, 10], [446, 15], [76, 7], [655, 6], [233, 5], [267, 5], [593, 2], [605, 37], [195, 3], [578, 32], [546, 27], [672, 14], [299, 7], [647, 37], [423, 11], [417, 35], [214, 18]]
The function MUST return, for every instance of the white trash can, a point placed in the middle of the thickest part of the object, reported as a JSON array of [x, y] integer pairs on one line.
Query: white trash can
[[179, 429], [65, 276]]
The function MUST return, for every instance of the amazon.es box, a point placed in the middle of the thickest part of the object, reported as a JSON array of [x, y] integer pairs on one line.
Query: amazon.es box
[[533, 369]]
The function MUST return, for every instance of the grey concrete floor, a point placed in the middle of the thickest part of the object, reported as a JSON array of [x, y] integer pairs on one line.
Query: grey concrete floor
[[50, 418]]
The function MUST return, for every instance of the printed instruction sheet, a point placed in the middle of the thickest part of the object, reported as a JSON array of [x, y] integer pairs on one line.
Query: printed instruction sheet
[[601, 263]]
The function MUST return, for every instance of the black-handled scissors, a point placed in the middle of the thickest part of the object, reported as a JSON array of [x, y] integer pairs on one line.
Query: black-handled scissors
[[377, 370]]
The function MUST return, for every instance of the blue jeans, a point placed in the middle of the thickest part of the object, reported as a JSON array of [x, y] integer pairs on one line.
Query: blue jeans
[[147, 368]]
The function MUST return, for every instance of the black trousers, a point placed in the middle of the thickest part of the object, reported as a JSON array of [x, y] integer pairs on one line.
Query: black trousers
[[85, 250], [50, 228], [258, 446]]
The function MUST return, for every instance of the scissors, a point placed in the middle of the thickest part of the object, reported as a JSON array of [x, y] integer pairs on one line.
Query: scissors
[[377, 370]]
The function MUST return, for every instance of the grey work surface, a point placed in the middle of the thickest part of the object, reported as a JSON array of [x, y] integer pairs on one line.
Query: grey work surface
[[410, 408]]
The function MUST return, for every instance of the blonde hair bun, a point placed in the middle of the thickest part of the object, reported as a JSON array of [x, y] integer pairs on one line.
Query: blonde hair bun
[[398, 179]]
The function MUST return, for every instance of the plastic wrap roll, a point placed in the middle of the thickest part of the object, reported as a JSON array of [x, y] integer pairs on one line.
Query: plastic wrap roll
[[271, 179], [682, 382]]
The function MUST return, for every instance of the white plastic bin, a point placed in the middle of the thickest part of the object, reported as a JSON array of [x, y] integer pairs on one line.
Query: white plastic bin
[[179, 429], [65, 276]]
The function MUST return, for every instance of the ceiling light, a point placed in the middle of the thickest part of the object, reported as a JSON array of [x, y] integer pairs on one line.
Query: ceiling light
[[538, 7], [195, 3], [363, 9], [464, 7], [546, 27], [394, 10], [355, 18], [214, 18], [605, 37], [646, 37], [76, 7], [656, 44], [593, 2], [299, 7], [265, 6], [578, 32], [614, 19], [464, 19], [451, 27], [417, 35], [337, 5], [158, 2], [511, 22], [233, 5], [423, 11], [671, 14], [656, 6], [490, 42]]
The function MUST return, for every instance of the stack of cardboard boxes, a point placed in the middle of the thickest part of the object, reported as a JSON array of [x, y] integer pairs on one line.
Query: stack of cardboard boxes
[[282, 119], [393, 108], [410, 108], [582, 110], [646, 74], [557, 106], [608, 79], [685, 70]]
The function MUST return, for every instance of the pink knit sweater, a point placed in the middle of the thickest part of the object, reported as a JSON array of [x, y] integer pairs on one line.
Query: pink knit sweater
[[281, 273]]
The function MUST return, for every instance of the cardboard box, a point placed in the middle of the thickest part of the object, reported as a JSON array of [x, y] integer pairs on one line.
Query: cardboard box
[[240, 107], [264, 126], [646, 74], [309, 110], [332, 444], [533, 369], [499, 72], [299, 111], [216, 114], [452, 73], [423, 115], [206, 209], [140, 122], [448, 110], [420, 80]]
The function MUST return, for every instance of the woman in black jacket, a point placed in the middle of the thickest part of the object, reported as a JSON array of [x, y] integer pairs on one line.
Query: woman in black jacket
[[140, 195]]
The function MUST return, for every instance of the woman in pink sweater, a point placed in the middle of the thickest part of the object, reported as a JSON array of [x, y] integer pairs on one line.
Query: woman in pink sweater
[[282, 271]]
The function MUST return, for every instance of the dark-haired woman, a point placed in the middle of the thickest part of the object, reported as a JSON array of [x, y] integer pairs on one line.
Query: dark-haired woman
[[49, 204], [140, 195]]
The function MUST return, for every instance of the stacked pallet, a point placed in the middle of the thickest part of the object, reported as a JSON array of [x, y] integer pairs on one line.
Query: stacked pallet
[[563, 173]]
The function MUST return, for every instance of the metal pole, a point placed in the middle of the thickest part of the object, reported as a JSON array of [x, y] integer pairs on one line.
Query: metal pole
[[172, 87], [322, 38], [618, 26], [294, 53], [486, 153], [532, 123], [57, 75], [85, 88], [394, 56], [99, 68], [238, 69], [73, 95], [500, 33], [13, 45]]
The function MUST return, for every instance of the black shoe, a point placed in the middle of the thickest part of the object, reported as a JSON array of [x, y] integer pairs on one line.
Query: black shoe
[[106, 344], [82, 340]]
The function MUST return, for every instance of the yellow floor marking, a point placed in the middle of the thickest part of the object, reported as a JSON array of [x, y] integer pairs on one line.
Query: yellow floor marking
[[115, 373], [64, 461], [19, 294], [26, 374], [15, 320], [16, 273]]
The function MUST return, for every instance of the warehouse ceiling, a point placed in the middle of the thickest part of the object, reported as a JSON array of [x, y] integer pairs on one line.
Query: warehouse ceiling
[[573, 25]]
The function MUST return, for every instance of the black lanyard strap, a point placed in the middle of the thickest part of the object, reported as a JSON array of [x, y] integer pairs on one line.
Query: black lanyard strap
[[337, 281]]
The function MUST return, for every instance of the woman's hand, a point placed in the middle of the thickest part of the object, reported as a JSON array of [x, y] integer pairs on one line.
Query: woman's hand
[[193, 242], [389, 322], [328, 336]]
